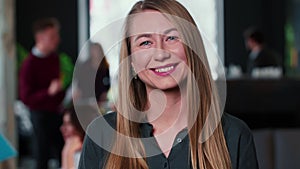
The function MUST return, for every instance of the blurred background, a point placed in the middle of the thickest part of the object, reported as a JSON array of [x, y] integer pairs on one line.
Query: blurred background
[[267, 99]]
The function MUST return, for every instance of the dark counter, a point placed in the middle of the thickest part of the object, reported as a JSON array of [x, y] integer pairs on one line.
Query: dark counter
[[265, 102]]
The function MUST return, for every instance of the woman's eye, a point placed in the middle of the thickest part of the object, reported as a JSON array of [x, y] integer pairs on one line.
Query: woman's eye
[[145, 43], [172, 38]]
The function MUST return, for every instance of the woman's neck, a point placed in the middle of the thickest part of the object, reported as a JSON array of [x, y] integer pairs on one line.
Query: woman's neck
[[167, 110]]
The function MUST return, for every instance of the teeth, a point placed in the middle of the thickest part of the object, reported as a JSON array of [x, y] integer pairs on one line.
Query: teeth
[[165, 69]]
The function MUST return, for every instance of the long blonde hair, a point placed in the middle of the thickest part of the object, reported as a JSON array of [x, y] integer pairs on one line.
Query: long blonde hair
[[211, 154]]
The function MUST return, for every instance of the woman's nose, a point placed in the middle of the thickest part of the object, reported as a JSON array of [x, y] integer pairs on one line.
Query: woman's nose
[[161, 53]]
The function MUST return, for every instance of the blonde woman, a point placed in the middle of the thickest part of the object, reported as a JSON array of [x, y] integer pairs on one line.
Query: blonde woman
[[168, 113]]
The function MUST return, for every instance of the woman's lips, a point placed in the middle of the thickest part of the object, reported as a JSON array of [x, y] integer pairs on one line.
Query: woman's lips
[[164, 70]]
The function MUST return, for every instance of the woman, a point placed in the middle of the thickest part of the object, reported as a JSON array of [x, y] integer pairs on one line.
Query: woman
[[73, 135], [161, 120]]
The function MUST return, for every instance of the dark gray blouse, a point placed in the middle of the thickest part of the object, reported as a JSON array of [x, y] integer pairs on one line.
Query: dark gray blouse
[[99, 139]]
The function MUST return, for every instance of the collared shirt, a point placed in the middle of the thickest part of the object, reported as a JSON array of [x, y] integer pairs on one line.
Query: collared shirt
[[99, 138], [178, 157]]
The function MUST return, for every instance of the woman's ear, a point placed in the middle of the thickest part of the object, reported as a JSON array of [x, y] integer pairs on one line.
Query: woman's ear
[[134, 73], [132, 65]]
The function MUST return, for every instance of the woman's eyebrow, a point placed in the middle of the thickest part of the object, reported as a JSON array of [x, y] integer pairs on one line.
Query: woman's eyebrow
[[148, 35]]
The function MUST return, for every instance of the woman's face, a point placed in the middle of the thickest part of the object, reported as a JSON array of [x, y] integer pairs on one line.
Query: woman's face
[[67, 128], [158, 55]]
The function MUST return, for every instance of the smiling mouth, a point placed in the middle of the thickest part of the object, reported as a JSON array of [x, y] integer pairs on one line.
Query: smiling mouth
[[164, 70]]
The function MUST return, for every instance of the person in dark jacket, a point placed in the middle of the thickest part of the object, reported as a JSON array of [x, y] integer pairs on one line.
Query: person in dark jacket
[[260, 55]]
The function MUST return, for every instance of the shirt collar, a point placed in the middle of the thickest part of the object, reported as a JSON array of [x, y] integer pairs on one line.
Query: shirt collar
[[146, 130], [254, 52], [36, 52]]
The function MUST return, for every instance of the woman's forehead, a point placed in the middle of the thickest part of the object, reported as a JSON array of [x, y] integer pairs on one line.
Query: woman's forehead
[[148, 22]]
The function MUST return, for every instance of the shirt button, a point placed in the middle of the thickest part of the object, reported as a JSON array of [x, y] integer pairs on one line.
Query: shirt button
[[165, 165], [179, 140]]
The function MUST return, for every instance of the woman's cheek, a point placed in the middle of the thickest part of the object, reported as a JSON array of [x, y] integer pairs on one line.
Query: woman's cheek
[[141, 59]]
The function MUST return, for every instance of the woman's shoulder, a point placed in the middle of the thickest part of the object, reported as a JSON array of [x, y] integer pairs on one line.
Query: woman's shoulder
[[98, 141], [101, 121], [240, 142], [102, 129], [102, 126], [234, 126]]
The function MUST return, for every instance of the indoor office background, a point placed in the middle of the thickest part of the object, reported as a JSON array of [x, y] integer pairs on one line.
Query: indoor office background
[[270, 106]]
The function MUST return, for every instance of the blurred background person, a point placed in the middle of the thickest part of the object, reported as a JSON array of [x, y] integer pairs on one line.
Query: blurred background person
[[260, 56], [40, 88], [73, 135], [96, 63]]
